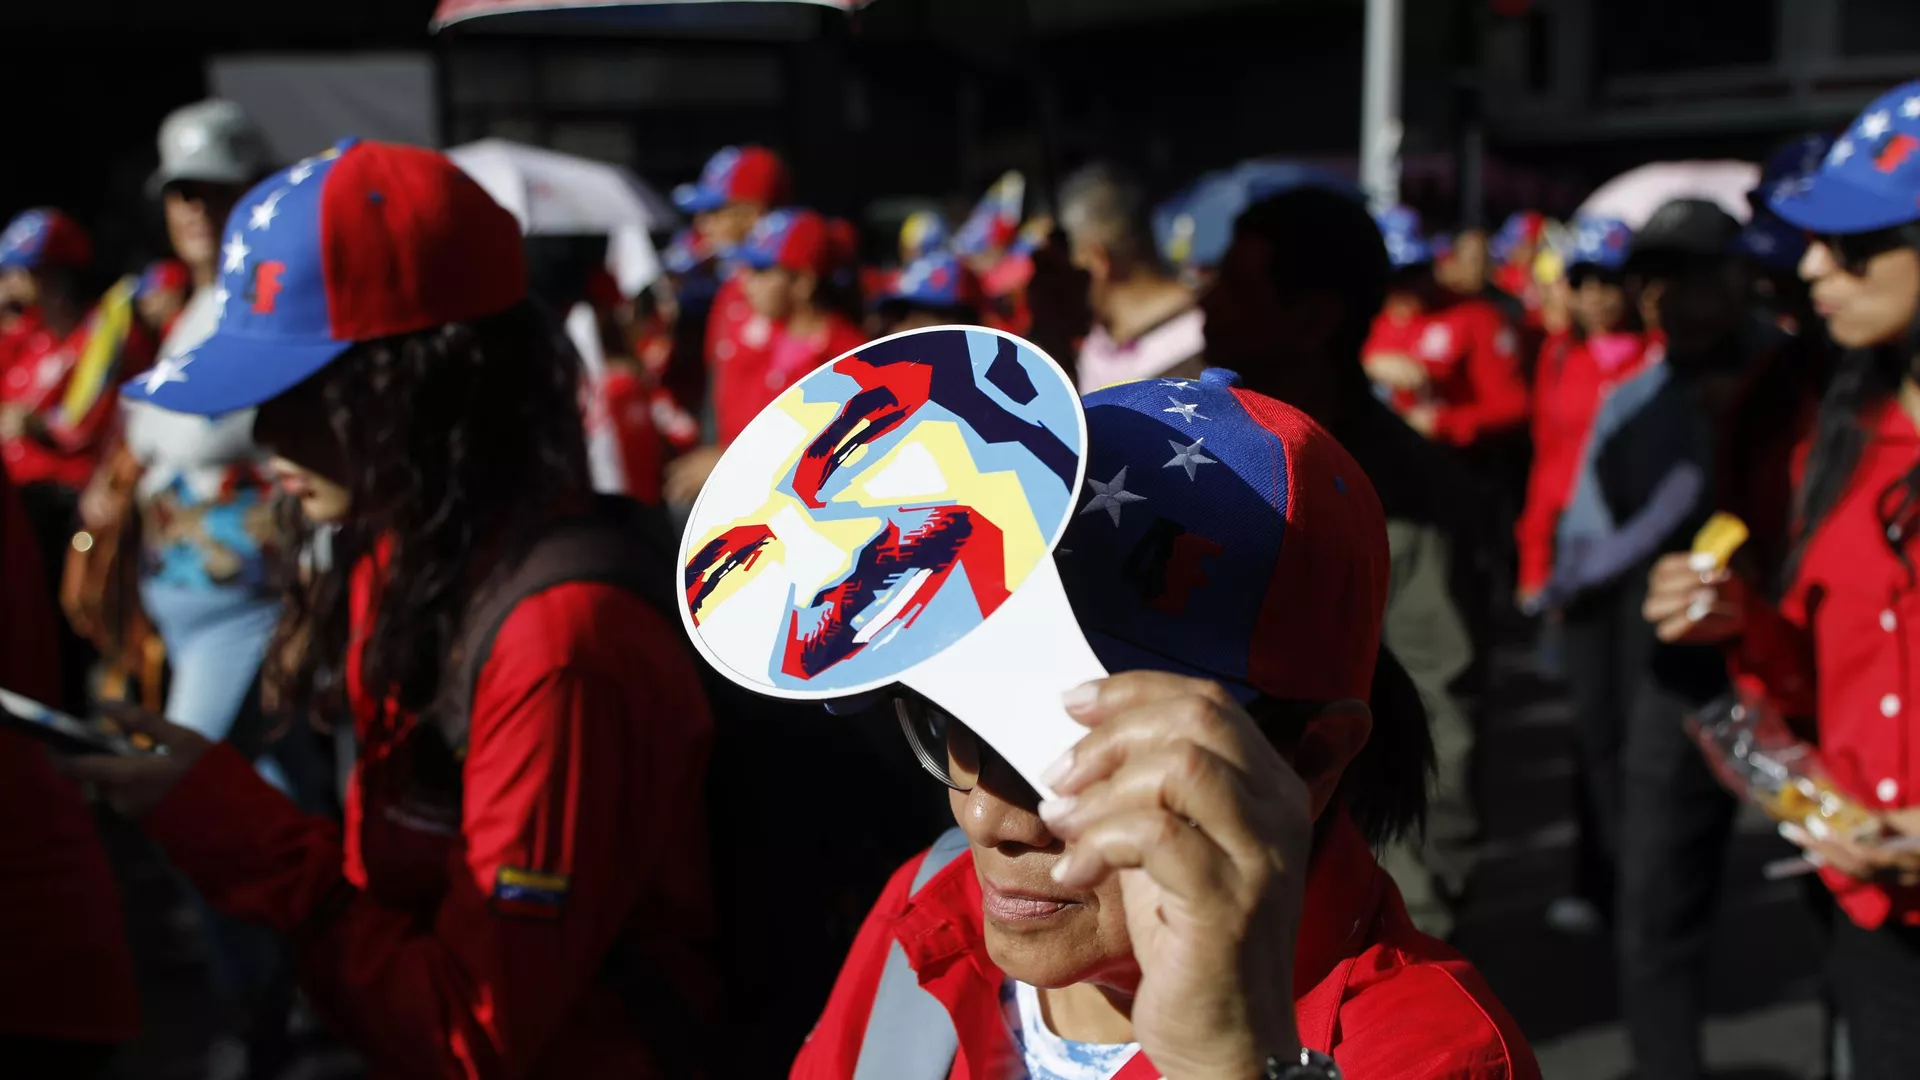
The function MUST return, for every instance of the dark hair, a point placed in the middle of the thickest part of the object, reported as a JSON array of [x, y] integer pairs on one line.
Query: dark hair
[[1864, 378], [1325, 240], [1385, 786], [456, 442]]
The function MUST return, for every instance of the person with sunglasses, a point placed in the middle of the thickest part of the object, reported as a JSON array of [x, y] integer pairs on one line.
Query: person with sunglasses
[[1839, 648], [1199, 898]]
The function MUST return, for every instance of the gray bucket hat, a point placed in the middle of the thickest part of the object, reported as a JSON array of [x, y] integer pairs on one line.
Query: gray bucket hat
[[214, 141]]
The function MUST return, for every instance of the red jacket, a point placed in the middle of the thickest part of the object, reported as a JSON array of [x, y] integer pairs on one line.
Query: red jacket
[[1382, 998], [470, 944], [1471, 356], [1568, 386], [38, 369], [69, 971], [1844, 647]]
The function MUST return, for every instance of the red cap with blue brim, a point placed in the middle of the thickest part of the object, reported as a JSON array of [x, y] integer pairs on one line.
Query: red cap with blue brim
[[939, 280], [790, 239], [44, 237], [735, 174], [364, 241], [1870, 179]]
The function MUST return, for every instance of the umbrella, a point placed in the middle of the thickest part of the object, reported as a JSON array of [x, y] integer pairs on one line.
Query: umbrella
[[555, 194], [1634, 195]]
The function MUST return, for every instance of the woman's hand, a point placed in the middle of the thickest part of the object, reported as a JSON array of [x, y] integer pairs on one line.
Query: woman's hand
[[688, 473], [135, 784], [1894, 859], [1209, 828], [1690, 606], [1397, 370]]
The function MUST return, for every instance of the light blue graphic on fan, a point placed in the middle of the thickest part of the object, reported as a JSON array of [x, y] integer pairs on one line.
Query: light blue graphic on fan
[[1048, 1056]]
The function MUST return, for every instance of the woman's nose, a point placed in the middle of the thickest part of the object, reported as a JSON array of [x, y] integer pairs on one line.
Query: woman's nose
[[1816, 263], [1001, 812]]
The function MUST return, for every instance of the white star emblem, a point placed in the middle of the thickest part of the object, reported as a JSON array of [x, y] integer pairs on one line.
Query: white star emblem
[[1842, 150], [299, 173], [1111, 496], [1178, 384], [1910, 108], [220, 295], [235, 253], [1875, 124], [263, 212], [167, 369], [1187, 412], [1189, 457]]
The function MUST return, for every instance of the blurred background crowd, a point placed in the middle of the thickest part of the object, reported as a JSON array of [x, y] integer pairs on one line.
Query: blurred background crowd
[[719, 198]]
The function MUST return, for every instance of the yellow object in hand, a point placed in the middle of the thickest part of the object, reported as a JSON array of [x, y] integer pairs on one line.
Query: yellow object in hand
[[1717, 540]]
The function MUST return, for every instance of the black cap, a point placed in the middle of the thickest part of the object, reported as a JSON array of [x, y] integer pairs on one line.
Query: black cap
[[1685, 227]]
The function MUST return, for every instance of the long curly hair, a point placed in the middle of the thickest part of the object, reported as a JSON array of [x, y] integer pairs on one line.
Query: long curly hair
[[455, 443]]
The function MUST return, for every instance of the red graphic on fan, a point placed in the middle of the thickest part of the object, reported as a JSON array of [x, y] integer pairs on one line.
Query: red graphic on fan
[[265, 290]]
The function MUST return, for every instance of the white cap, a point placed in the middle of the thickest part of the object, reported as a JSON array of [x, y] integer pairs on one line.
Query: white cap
[[213, 141]]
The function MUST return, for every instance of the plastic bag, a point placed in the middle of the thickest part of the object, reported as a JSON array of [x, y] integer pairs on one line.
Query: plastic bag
[[1753, 753]]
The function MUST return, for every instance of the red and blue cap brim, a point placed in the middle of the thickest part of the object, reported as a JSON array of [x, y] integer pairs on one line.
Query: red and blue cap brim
[[1870, 178], [696, 199], [1829, 203]]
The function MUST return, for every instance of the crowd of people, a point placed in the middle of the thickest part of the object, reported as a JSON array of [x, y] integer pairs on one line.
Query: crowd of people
[[357, 513]]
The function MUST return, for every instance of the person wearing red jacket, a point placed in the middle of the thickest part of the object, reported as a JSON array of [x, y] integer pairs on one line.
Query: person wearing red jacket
[[69, 998], [1449, 364], [1572, 376], [1840, 648], [1198, 897], [787, 269], [520, 889]]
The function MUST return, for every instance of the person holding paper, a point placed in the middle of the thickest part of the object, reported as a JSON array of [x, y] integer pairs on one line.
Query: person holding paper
[[524, 856], [1839, 648], [1198, 899]]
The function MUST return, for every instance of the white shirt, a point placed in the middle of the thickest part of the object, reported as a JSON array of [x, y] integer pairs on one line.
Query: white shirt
[[1050, 1057], [1104, 361]]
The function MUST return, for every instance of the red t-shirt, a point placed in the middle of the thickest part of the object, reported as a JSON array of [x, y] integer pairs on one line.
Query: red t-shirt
[[739, 348], [38, 370], [69, 974], [1472, 361]]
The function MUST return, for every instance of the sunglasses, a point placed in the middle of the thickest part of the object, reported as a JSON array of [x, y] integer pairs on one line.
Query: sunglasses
[[1852, 252], [945, 748]]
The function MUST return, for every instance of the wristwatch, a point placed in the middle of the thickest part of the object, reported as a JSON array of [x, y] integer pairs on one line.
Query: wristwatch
[[1309, 1065]]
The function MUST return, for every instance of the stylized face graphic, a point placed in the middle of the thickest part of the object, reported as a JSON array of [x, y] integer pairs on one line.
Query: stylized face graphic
[[879, 510]]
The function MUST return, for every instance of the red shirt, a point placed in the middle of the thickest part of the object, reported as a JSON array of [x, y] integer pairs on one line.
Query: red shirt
[[1568, 386], [69, 972], [1384, 999], [470, 944], [1844, 648], [1472, 359], [739, 349]]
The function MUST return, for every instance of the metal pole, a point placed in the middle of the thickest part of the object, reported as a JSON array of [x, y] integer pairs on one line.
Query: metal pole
[[1380, 104]]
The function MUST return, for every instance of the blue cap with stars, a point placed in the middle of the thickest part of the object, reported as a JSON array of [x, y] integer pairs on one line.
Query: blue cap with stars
[[1600, 241], [1223, 534], [1871, 176], [1765, 238], [363, 241]]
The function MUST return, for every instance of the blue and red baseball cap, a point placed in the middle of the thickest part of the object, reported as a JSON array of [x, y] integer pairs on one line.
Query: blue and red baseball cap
[[1601, 242], [1223, 534], [163, 275], [735, 174], [366, 240], [1521, 227], [790, 238], [1765, 238], [937, 280], [1406, 243], [44, 237], [1871, 176]]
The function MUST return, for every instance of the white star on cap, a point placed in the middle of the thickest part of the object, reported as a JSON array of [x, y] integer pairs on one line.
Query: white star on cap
[[235, 254], [220, 295], [165, 370], [1875, 124], [1842, 150], [1178, 384], [263, 212], [1187, 412], [1111, 496], [1189, 457], [1910, 108], [299, 173]]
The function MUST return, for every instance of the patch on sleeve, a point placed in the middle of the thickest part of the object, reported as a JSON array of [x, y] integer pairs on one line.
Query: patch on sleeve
[[529, 893]]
